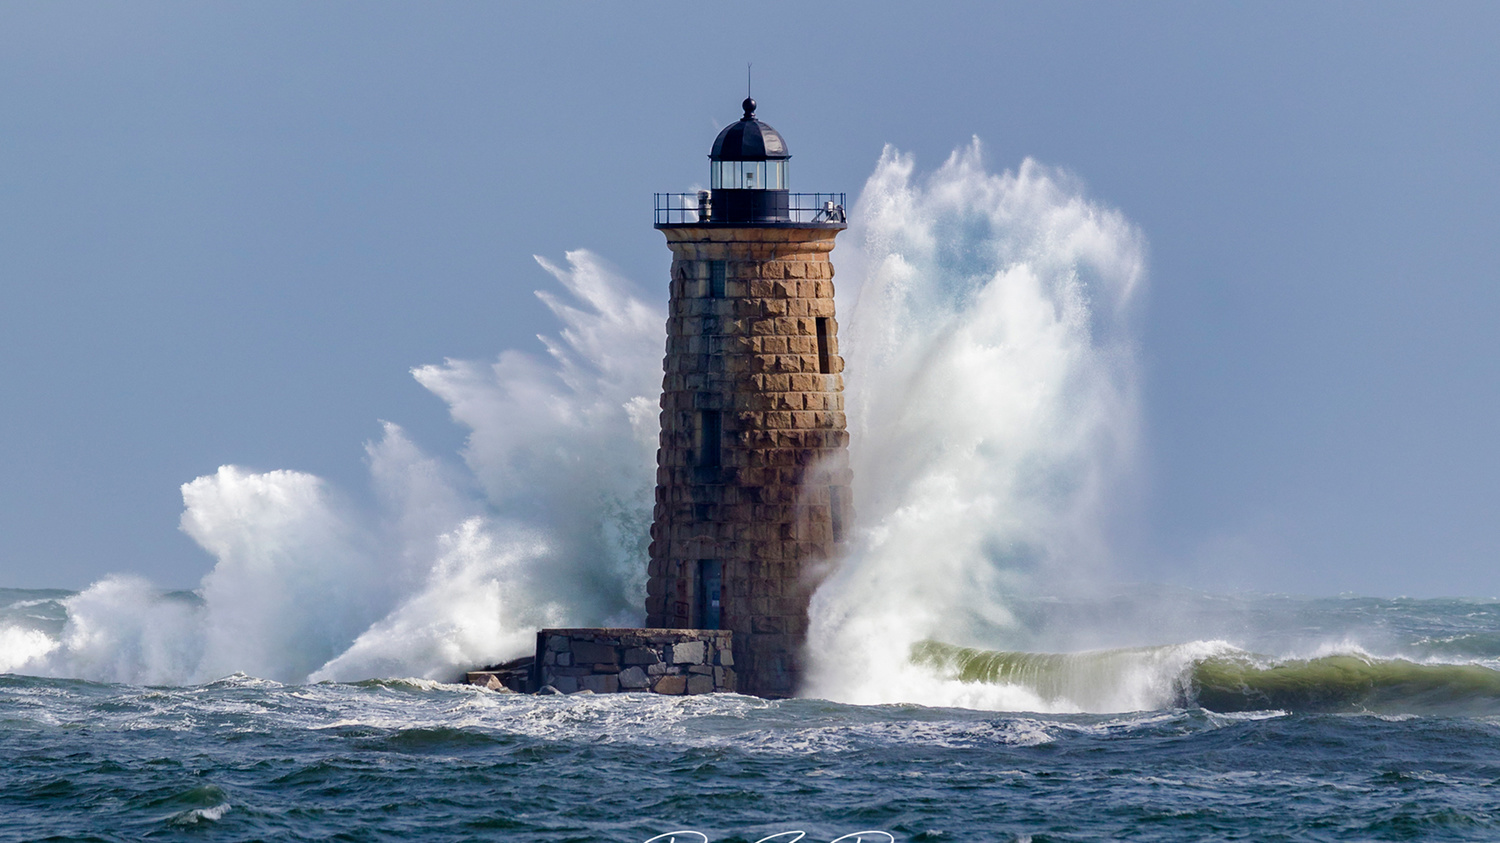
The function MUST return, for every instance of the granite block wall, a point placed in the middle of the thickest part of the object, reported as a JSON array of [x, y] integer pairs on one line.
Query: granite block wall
[[660, 661]]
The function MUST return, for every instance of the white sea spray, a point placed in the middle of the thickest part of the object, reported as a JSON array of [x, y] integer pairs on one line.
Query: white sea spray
[[993, 406], [20, 647], [440, 577]]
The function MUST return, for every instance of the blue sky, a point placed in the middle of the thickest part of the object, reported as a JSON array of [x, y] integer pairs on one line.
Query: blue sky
[[227, 232]]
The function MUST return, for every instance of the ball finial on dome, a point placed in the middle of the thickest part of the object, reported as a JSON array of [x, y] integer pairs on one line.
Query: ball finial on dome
[[749, 106]]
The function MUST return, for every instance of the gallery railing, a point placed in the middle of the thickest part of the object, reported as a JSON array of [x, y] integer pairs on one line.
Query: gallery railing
[[697, 209]]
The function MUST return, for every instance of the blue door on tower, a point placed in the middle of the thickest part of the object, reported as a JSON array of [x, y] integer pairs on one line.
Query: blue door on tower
[[710, 584]]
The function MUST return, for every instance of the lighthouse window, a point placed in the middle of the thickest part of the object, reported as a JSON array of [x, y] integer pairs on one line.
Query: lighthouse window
[[825, 359], [716, 273], [710, 438], [748, 175]]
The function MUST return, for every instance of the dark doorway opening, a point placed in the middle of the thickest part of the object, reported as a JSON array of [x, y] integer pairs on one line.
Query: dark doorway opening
[[710, 593]]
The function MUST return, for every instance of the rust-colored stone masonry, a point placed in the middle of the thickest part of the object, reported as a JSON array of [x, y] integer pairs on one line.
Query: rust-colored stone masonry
[[752, 475]]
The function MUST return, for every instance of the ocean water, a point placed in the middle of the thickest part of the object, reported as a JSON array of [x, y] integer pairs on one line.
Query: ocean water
[[972, 674], [1335, 744]]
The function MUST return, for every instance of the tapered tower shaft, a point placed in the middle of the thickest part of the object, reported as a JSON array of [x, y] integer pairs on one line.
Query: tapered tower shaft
[[752, 478]]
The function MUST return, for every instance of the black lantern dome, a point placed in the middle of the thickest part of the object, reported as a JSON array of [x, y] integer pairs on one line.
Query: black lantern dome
[[749, 139], [747, 172]]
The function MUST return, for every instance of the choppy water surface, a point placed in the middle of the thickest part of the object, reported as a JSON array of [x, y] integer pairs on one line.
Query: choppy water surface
[[243, 759], [248, 759]]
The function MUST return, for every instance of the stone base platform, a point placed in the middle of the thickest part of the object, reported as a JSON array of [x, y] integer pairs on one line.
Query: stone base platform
[[606, 661]]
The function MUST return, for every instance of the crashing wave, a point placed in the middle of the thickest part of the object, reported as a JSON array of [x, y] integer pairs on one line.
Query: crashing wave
[[1218, 677]]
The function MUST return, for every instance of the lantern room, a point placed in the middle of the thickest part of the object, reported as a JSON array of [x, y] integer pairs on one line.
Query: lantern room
[[748, 172], [748, 155], [748, 185]]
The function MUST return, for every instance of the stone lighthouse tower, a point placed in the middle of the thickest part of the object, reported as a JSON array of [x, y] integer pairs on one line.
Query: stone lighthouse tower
[[752, 479]]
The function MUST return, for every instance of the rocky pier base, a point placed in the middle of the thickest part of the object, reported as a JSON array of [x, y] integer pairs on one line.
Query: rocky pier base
[[606, 661]]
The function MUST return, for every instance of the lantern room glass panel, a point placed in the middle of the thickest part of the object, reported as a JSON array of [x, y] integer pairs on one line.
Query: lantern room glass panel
[[748, 175]]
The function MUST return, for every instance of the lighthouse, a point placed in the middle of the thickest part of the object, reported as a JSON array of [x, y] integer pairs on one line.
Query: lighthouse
[[752, 480]]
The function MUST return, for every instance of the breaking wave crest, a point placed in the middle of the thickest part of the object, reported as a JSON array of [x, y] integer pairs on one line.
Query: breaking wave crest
[[1219, 677], [1345, 682]]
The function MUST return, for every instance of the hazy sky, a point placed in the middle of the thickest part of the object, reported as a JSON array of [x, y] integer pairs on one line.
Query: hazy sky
[[228, 230]]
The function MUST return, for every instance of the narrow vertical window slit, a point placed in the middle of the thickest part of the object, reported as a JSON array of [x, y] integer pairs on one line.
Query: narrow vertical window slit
[[716, 273], [825, 362], [710, 438]]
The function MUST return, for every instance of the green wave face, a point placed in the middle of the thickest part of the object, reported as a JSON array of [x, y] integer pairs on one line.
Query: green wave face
[[1346, 683], [1130, 679], [1206, 676]]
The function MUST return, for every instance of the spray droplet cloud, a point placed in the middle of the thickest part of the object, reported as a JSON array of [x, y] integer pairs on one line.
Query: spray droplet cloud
[[993, 407]]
